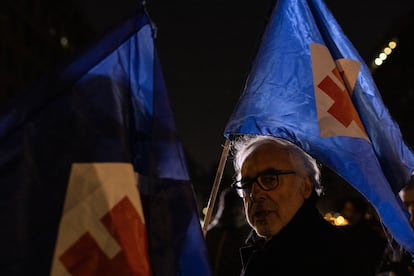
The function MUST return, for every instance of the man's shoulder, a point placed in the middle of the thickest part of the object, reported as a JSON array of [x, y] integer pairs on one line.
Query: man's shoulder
[[335, 235]]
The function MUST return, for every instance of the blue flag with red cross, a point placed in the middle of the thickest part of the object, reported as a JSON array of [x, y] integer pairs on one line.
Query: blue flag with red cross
[[309, 85], [93, 175]]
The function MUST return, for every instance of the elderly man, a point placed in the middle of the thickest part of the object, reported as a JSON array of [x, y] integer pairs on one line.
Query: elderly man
[[279, 184]]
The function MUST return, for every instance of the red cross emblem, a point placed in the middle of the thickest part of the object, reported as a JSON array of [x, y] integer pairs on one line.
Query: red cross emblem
[[333, 83], [102, 229]]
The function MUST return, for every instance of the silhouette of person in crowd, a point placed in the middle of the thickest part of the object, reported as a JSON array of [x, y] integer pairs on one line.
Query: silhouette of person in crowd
[[396, 261], [366, 230], [226, 234]]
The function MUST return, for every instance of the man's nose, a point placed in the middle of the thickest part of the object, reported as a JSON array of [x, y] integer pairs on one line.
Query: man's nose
[[257, 193]]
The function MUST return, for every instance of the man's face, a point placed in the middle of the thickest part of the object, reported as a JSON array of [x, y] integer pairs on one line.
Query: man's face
[[269, 211], [408, 198]]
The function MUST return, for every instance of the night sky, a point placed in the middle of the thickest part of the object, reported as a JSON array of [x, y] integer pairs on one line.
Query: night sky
[[206, 49]]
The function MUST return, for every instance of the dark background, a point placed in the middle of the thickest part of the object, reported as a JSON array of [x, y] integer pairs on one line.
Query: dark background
[[206, 49]]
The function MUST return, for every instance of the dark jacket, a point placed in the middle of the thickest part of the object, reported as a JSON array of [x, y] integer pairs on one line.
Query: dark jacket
[[308, 245]]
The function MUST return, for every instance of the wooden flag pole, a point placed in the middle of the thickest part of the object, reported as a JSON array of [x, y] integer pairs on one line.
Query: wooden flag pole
[[216, 185]]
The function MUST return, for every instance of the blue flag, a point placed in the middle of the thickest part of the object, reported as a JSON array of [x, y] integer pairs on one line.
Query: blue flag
[[108, 106], [310, 86]]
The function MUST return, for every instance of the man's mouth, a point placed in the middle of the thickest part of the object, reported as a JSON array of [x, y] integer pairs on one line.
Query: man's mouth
[[261, 214]]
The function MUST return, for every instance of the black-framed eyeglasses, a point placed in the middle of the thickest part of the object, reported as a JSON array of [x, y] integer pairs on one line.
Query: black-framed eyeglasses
[[267, 180]]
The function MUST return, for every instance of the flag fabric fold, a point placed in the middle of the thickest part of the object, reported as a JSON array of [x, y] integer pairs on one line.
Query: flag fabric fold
[[108, 106], [309, 85]]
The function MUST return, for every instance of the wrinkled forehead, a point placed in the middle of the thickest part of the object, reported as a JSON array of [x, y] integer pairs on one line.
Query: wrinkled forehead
[[266, 156]]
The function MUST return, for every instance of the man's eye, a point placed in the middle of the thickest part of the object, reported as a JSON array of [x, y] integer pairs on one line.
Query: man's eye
[[268, 179]]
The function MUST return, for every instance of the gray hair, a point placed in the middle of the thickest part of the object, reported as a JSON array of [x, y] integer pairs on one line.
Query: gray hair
[[244, 145]]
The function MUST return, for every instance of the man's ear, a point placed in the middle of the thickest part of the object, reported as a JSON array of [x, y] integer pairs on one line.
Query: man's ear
[[307, 187]]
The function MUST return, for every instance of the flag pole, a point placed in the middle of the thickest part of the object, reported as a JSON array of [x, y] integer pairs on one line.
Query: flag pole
[[216, 185]]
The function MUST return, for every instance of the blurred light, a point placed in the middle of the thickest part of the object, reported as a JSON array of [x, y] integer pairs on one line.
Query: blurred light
[[204, 211], [64, 42], [392, 44], [387, 50], [340, 221], [383, 55], [336, 219], [378, 61], [328, 216]]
